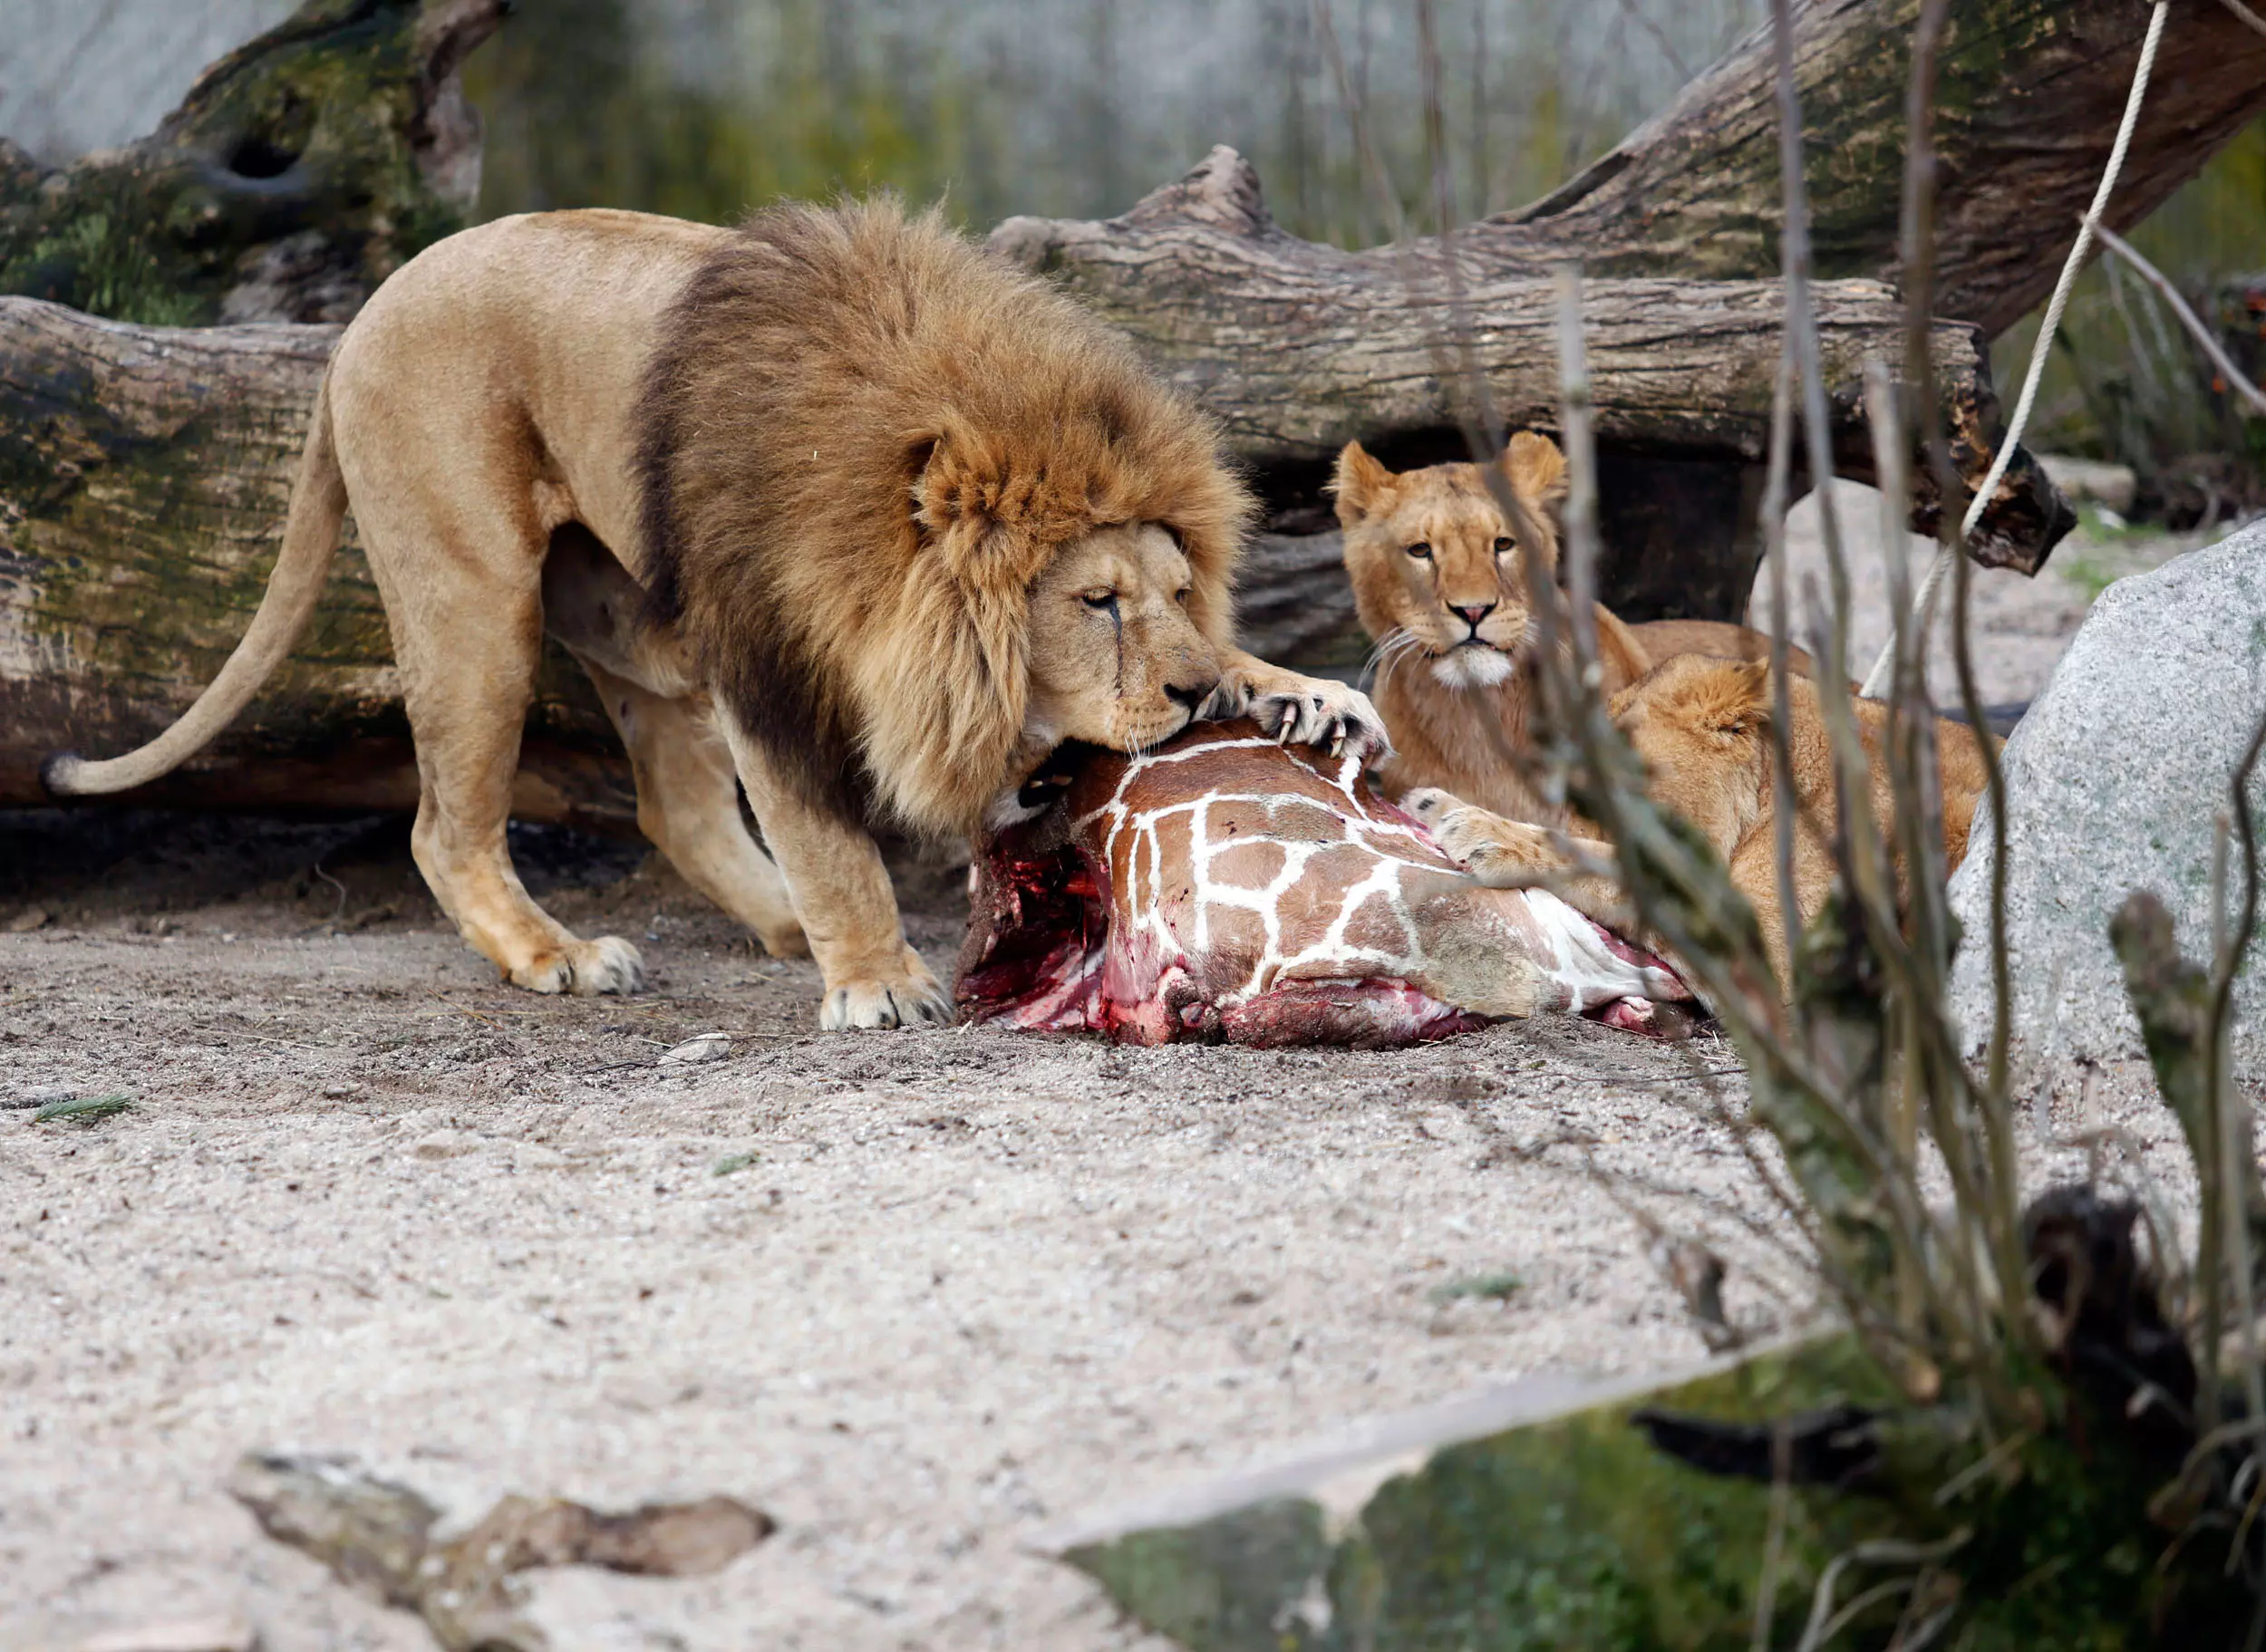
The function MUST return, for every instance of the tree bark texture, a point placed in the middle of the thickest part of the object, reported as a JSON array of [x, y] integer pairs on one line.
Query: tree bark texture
[[2028, 97], [1299, 347], [145, 474], [299, 173]]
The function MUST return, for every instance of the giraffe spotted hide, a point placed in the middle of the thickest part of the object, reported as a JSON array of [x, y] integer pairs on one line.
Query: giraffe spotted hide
[[1225, 887]]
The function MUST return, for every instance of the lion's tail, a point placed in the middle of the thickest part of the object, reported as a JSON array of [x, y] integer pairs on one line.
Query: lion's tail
[[318, 507]]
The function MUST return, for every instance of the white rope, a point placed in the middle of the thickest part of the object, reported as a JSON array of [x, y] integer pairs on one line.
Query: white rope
[[1923, 601]]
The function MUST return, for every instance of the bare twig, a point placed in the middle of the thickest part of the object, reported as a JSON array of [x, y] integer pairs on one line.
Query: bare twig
[[2211, 347], [1659, 36]]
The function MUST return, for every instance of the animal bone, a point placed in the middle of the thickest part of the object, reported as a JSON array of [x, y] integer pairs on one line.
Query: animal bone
[[1226, 886]]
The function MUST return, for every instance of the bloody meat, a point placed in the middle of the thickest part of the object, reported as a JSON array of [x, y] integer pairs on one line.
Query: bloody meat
[[1225, 887]]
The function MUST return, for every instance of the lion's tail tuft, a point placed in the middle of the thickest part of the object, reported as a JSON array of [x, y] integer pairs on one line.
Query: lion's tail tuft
[[318, 508]]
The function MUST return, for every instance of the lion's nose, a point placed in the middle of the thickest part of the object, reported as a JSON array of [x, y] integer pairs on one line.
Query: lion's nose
[[1475, 612], [1191, 694]]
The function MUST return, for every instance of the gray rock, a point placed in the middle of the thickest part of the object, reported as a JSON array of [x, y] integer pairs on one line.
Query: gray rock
[[2113, 779], [703, 1047]]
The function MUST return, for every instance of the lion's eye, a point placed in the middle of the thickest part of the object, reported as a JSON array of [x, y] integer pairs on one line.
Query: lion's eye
[[1101, 600], [1182, 594], [1503, 547], [1420, 551]]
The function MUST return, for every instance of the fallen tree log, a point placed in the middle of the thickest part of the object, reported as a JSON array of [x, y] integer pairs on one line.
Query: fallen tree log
[[2027, 99], [1299, 348], [2029, 92], [143, 472]]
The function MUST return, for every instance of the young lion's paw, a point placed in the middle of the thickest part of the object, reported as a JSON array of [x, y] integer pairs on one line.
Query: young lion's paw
[[584, 968], [1429, 803], [1501, 853], [908, 999]]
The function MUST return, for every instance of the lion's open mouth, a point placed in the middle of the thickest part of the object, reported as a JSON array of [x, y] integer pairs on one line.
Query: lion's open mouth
[[1226, 886]]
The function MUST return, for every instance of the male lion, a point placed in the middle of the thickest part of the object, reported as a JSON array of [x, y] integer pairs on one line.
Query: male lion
[[1441, 582], [1702, 727], [835, 503]]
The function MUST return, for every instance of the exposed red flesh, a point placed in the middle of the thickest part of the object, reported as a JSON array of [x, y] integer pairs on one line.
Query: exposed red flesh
[[1228, 887]]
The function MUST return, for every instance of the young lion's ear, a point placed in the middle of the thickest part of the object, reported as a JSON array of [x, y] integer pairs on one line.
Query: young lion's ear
[[1744, 705], [1361, 484], [1536, 468]]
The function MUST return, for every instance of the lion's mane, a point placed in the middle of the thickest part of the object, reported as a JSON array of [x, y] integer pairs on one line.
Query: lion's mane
[[863, 437]]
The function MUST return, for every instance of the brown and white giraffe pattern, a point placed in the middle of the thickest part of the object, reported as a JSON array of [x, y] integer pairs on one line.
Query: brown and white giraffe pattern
[[1234, 887]]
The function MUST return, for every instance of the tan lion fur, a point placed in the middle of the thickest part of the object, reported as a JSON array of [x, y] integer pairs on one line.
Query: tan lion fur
[[1702, 727], [866, 438], [1450, 690], [834, 506]]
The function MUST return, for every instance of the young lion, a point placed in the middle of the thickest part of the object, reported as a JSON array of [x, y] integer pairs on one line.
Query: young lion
[[1702, 727], [1441, 582], [836, 506]]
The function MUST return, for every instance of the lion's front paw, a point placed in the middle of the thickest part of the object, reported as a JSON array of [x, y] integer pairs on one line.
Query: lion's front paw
[[1316, 711], [1428, 803], [1503, 854], [584, 968], [910, 998]]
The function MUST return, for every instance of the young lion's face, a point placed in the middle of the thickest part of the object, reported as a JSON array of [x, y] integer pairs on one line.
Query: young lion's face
[[1115, 659], [1437, 567]]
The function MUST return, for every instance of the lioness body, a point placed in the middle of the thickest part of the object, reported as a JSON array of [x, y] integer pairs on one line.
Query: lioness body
[[1702, 727], [832, 506], [1439, 580]]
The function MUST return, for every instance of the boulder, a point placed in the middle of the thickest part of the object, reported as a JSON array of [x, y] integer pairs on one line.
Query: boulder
[[2113, 778]]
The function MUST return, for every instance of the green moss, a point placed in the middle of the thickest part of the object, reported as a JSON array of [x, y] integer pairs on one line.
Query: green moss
[[306, 128], [1573, 1532]]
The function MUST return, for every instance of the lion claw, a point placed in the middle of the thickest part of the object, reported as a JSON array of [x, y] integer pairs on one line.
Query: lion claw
[[912, 999]]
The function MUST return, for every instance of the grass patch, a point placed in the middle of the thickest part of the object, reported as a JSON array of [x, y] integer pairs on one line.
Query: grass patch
[[1478, 1287], [86, 1109]]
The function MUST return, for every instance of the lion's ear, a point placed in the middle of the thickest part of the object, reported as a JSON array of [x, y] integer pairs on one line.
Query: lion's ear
[[1742, 704], [1536, 468], [930, 506], [1361, 484]]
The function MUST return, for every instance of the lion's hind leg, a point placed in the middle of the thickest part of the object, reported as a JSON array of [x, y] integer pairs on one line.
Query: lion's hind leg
[[688, 806], [461, 581]]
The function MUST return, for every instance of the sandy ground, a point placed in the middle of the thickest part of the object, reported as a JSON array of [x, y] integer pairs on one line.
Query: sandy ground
[[916, 1295]]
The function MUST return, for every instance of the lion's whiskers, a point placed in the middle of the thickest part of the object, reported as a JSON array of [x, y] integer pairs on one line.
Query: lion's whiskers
[[1393, 648]]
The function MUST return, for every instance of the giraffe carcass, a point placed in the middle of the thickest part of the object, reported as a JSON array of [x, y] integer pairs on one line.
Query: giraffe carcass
[[1226, 886]]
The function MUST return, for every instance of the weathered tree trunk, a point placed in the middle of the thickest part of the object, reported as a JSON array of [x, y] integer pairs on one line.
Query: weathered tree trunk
[[1300, 347], [2029, 96], [145, 474], [299, 173]]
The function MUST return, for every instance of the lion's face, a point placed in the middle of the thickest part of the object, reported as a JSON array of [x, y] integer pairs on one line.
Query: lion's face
[[1116, 659], [1702, 727], [1436, 568]]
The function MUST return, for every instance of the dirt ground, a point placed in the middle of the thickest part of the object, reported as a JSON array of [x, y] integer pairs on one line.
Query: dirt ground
[[916, 1295]]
